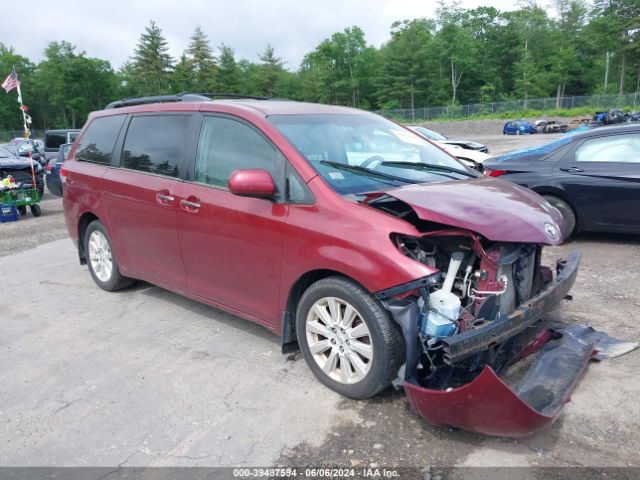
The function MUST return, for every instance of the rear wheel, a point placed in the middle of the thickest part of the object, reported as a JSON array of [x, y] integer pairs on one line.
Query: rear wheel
[[347, 339], [101, 259], [568, 215]]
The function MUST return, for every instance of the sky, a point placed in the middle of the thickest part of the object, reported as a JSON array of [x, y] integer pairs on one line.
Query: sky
[[110, 29]]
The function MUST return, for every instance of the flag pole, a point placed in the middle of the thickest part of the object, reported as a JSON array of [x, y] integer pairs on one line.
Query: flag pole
[[27, 133]]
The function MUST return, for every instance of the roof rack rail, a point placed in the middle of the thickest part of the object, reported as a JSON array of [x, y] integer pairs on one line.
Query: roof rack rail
[[179, 97], [228, 95]]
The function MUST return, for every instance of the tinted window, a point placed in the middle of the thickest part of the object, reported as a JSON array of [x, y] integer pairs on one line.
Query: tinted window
[[227, 145], [97, 142], [54, 140], [155, 144], [616, 148]]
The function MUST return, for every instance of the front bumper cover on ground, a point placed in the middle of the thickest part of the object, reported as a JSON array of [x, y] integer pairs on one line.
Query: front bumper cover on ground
[[487, 405]]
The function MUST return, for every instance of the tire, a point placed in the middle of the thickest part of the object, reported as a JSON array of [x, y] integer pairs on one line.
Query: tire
[[518, 132], [36, 211], [22, 210], [361, 358], [568, 215], [101, 259]]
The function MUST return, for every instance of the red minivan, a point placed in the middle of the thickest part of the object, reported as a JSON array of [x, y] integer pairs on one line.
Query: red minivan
[[370, 249]]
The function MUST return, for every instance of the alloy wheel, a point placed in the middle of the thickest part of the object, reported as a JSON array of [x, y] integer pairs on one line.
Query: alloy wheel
[[100, 256], [339, 340]]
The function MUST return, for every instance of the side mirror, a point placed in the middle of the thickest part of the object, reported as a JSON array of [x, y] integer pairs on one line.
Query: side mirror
[[252, 183]]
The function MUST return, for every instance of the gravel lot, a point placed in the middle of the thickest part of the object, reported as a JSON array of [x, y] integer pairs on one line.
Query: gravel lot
[[148, 378]]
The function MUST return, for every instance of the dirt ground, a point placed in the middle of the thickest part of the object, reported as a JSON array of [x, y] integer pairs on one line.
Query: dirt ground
[[267, 419]]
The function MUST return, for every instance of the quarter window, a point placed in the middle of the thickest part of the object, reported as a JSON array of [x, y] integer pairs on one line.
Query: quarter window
[[615, 148], [96, 145], [226, 145], [155, 144]]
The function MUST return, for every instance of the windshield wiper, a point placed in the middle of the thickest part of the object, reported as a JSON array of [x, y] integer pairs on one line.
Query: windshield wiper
[[429, 166], [367, 171]]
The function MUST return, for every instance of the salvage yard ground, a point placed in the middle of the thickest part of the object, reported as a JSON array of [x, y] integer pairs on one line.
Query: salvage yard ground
[[145, 377]]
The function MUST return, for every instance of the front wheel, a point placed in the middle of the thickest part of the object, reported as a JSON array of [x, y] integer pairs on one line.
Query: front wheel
[[347, 339], [101, 259]]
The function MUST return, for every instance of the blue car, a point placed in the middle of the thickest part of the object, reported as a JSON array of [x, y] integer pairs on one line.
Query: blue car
[[518, 127], [54, 183]]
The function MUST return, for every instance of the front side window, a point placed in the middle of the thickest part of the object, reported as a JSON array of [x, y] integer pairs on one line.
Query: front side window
[[155, 144], [226, 145], [99, 139], [616, 148]]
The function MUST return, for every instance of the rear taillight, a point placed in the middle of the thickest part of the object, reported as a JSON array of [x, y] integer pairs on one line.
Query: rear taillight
[[63, 174], [48, 168], [494, 173]]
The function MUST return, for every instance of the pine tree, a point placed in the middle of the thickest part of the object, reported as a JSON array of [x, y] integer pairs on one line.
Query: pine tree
[[202, 61], [227, 74], [184, 76], [268, 72], [151, 63]]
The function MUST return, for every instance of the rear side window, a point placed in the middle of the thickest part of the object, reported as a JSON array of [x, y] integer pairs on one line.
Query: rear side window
[[54, 140], [155, 144], [615, 148], [97, 142], [227, 145]]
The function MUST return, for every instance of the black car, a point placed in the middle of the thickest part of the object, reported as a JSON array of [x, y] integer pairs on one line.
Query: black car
[[19, 169], [591, 176], [25, 146]]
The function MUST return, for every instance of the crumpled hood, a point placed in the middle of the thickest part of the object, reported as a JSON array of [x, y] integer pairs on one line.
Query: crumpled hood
[[496, 209]]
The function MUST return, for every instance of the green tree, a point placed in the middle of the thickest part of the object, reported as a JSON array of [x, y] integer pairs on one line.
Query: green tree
[[228, 73], [68, 86], [10, 114], [202, 61], [339, 70], [151, 63], [407, 72], [268, 72], [183, 78]]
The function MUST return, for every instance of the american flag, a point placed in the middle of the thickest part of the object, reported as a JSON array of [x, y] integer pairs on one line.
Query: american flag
[[11, 81]]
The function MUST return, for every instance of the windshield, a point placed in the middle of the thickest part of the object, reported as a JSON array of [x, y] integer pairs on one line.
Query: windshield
[[430, 134], [366, 153]]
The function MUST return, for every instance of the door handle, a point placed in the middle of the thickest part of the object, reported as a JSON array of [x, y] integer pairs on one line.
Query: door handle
[[164, 199], [190, 205], [572, 170]]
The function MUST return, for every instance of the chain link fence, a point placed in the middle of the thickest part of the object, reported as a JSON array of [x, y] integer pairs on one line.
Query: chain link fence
[[7, 135], [513, 107]]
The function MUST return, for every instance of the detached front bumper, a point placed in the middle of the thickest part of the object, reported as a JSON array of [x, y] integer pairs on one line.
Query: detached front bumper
[[487, 404]]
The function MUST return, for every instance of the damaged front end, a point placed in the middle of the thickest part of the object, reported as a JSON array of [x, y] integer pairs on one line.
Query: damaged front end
[[469, 331]]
